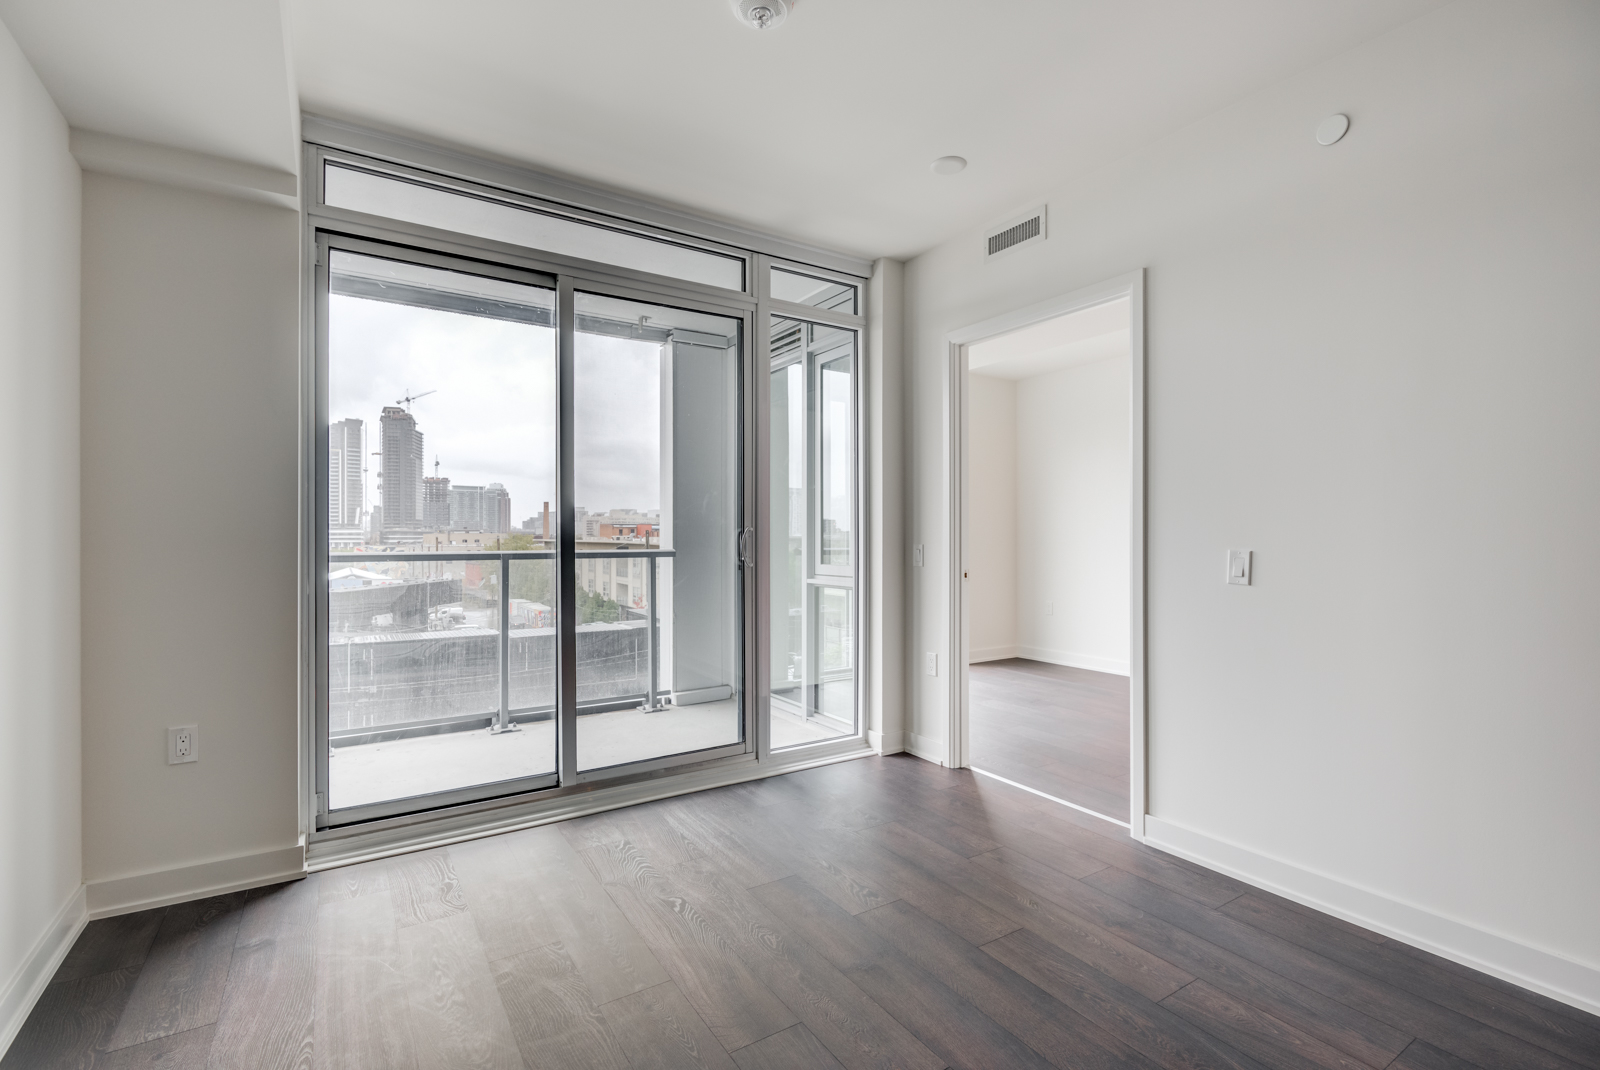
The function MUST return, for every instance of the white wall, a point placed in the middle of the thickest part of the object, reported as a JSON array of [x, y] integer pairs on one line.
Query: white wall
[[190, 462], [1375, 364], [40, 815], [1073, 487], [991, 518], [883, 388]]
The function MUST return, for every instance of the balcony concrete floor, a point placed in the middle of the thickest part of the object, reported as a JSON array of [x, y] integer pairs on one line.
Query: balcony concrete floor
[[422, 765]]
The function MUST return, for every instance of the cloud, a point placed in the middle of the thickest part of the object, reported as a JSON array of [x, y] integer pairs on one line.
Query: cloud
[[492, 415]]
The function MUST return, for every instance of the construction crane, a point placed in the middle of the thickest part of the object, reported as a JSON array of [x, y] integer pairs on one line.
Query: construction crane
[[409, 398]]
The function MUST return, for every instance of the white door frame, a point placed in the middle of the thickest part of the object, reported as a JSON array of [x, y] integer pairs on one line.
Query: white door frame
[[1130, 286]]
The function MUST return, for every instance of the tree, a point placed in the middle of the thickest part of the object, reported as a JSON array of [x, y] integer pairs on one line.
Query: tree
[[594, 606], [534, 579]]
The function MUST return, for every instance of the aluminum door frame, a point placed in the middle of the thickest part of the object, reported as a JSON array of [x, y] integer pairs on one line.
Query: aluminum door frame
[[564, 282]]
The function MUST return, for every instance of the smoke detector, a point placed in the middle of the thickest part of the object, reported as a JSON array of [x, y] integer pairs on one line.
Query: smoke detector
[[762, 14]]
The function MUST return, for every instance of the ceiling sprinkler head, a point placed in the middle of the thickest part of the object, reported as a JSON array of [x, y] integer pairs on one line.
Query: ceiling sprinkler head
[[762, 14]]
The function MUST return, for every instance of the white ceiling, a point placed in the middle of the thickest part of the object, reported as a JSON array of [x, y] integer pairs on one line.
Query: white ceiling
[[1077, 338], [202, 75], [820, 130]]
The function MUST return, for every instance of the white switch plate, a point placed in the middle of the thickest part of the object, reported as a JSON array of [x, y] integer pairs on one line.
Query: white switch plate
[[916, 555], [932, 663], [1239, 567], [183, 744], [1049, 609]]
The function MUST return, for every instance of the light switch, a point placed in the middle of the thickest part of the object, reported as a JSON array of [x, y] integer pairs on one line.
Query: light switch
[[1239, 567], [916, 555]]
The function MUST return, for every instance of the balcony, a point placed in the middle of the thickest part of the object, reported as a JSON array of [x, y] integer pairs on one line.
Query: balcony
[[435, 682]]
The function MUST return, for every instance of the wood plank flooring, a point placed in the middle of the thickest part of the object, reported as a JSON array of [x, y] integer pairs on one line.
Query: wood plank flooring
[[1058, 730], [882, 914]]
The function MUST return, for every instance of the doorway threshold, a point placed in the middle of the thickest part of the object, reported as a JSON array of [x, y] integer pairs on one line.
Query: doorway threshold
[[1052, 798], [350, 844]]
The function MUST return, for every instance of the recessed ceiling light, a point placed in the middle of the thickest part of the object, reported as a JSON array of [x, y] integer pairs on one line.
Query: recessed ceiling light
[[762, 14], [949, 165]]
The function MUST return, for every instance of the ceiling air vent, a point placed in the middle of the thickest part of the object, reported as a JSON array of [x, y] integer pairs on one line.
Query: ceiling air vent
[[1025, 229]]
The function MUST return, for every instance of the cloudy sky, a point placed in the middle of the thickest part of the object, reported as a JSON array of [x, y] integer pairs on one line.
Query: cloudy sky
[[492, 417]]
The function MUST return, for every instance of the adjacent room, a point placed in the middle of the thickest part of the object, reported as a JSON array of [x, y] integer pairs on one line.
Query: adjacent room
[[799, 535], [1049, 526]]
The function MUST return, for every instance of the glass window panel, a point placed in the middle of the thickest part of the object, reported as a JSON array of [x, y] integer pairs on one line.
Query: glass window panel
[[811, 523], [442, 419], [807, 290], [835, 463], [787, 531], [429, 206], [655, 426], [836, 680], [531, 638]]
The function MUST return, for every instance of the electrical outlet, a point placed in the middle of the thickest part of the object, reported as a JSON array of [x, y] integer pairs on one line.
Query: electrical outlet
[[932, 663], [183, 744]]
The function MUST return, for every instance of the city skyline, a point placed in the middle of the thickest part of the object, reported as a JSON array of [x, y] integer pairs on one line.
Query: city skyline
[[491, 416], [490, 380]]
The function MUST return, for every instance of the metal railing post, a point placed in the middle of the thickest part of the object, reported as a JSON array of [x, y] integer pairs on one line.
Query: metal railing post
[[651, 705], [502, 722]]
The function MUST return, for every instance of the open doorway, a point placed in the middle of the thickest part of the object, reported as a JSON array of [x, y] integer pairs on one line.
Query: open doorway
[[1048, 403]]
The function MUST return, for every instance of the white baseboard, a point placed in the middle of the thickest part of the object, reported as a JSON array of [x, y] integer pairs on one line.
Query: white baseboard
[[890, 743], [927, 748], [990, 653], [25, 986], [123, 895], [1093, 662], [1533, 968]]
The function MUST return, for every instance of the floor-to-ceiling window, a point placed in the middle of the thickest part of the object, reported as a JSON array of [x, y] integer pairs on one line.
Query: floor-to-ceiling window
[[537, 511], [812, 530]]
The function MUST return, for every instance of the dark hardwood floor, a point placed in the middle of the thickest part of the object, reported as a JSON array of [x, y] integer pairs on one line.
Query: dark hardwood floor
[[882, 913], [1058, 730]]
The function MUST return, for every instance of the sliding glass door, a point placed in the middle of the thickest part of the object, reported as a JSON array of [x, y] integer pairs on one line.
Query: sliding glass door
[[533, 531], [657, 521], [442, 417]]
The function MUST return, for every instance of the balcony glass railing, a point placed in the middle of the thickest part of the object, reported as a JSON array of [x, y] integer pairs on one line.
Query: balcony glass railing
[[423, 643]]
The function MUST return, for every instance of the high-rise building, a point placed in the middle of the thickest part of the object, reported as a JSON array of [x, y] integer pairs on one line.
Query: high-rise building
[[474, 508], [346, 468], [400, 486], [436, 502], [496, 508], [466, 507]]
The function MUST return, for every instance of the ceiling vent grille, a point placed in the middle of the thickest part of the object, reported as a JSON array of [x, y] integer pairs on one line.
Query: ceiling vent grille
[[1025, 229]]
